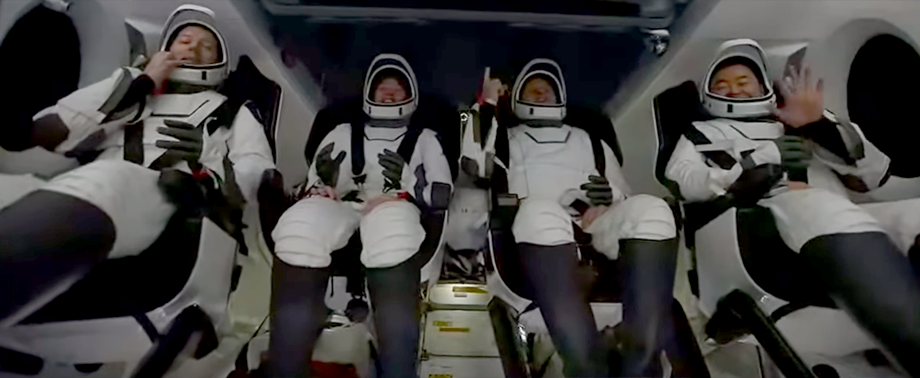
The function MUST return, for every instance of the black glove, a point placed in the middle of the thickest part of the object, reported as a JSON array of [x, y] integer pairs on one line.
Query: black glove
[[327, 168], [599, 191], [392, 165], [796, 153], [754, 184], [189, 144]]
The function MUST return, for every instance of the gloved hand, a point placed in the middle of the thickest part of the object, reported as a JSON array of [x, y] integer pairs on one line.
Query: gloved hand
[[795, 151], [392, 165], [599, 191], [327, 168], [754, 184], [189, 145]]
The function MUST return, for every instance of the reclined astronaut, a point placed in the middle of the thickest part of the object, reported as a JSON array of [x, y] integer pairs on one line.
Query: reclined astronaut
[[386, 202], [751, 157], [142, 135], [551, 166]]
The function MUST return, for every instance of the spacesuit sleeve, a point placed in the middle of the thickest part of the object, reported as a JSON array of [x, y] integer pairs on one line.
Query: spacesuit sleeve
[[431, 180], [841, 145], [697, 181], [92, 114], [249, 152], [615, 175]]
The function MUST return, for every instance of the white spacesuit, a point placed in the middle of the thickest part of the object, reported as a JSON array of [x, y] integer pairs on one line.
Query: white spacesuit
[[118, 125], [399, 169], [731, 155], [552, 168]]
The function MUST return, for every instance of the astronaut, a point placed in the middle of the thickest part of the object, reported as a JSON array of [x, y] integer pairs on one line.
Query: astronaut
[[152, 142], [552, 169], [405, 174], [744, 156]]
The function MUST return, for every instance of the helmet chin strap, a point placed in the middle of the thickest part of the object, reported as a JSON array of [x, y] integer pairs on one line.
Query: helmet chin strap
[[390, 123], [543, 123]]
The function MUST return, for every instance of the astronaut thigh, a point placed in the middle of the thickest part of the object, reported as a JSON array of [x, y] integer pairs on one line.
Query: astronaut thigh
[[308, 232], [641, 216], [127, 193], [391, 234], [542, 222]]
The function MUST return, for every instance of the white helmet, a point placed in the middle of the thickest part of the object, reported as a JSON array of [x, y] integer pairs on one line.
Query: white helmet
[[754, 57], [384, 66], [210, 75], [550, 71]]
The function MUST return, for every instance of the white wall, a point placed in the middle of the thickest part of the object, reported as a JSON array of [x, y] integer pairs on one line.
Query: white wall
[[771, 22]]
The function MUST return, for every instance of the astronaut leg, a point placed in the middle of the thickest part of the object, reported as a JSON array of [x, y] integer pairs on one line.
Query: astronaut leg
[[642, 232], [391, 235], [543, 231], [46, 237], [901, 221], [305, 237], [858, 265]]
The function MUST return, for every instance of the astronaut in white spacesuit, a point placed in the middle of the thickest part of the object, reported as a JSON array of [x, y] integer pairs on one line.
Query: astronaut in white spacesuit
[[551, 168], [153, 142], [378, 177], [745, 156]]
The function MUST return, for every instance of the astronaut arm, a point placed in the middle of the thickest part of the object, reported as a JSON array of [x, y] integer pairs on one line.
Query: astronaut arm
[[841, 146], [614, 175], [696, 180], [432, 176], [84, 119], [249, 152]]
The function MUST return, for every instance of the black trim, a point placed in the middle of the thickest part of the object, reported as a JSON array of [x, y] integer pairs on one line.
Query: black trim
[[786, 309], [134, 143], [600, 158], [719, 158], [147, 326], [117, 95], [175, 115], [357, 148], [566, 140]]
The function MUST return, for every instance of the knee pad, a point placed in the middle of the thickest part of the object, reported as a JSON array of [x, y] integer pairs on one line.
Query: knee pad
[[308, 232], [542, 222], [391, 234]]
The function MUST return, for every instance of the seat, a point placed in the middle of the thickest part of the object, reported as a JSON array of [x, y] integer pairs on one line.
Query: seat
[[601, 275], [435, 114], [182, 280], [746, 278]]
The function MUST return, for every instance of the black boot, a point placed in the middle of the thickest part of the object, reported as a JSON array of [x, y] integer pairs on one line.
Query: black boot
[[298, 312], [45, 238], [395, 297], [648, 268], [867, 276], [551, 275]]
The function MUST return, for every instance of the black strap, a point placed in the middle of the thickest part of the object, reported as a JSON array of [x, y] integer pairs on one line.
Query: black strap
[[147, 326], [357, 148], [134, 143], [600, 158], [721, 158], [407, 146]]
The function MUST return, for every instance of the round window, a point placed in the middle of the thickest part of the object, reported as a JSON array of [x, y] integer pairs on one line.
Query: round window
[[40, 62], [882, 90]]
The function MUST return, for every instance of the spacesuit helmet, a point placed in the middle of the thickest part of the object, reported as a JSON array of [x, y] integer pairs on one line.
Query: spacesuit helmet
[[209, 75], [750, 54], [390, 66], [549, 71]]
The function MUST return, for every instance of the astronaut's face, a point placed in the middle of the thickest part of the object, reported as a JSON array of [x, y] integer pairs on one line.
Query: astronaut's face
[[736, 81], [538, 90], [389, 91], [196, 45]]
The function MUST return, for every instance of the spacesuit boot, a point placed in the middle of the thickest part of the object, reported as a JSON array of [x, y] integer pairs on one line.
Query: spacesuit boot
[[40, 248], [551, 277], [298, 312], [648, 284], [865, 274], [395, 298]]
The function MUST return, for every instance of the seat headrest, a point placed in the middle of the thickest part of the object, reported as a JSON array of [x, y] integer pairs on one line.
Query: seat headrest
[[675, 110]]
